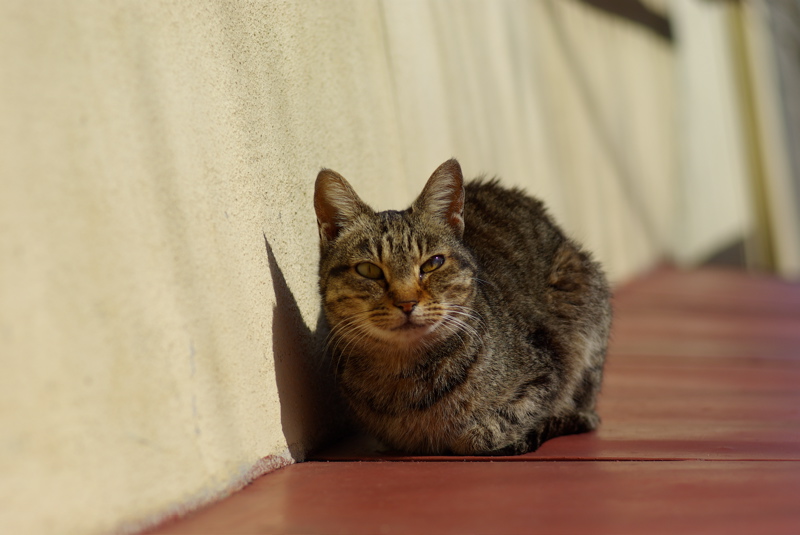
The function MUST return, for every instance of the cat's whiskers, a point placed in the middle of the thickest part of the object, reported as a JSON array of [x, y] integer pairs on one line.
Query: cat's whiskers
[[448, 322], [467, 311], [458, 327], [482, 281], [333, 335], [334, 338], [355, 334], [362, 333], [352, 330], [462, 315]]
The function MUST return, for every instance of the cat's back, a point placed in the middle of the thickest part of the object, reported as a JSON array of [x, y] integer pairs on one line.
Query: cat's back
[[509, 231], [528, 263]]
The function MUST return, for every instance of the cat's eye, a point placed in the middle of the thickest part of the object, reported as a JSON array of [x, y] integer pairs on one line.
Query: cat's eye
[[432, 264], [369, 270]]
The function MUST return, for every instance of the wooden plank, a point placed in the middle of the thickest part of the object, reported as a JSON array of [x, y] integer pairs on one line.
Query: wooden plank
[[729, 498], [700, 434]]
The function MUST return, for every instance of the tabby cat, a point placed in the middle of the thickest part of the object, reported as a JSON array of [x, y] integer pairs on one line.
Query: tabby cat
[[466, 324]]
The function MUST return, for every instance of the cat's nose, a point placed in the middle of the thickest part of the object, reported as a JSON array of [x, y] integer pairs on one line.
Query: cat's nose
[[406, 306]]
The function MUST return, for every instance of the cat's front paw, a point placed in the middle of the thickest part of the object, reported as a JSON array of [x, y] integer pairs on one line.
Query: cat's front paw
[[480, 440], [516, 448], [469, 443]]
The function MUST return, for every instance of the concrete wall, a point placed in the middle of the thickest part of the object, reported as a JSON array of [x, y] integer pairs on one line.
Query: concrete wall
[[158, 248]]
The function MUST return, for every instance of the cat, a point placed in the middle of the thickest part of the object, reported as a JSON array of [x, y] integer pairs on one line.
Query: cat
[[467, 324]]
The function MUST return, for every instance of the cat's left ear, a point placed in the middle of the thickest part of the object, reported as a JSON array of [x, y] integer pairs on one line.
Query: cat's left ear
[[443, 196]]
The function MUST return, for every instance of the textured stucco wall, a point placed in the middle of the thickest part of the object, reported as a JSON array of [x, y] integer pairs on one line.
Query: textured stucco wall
[[158, 248], [152, 353]]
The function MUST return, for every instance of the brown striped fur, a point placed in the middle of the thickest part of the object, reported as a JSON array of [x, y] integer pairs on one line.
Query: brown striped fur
[[494, 351]]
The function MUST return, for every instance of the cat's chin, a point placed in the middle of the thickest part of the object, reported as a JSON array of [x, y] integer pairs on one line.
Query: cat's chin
[[408, 334]]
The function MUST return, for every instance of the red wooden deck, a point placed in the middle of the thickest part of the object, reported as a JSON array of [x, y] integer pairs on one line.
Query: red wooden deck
[[700, 434]]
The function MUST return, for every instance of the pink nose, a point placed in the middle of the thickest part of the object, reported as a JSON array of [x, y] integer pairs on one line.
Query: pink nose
[[406, 306]]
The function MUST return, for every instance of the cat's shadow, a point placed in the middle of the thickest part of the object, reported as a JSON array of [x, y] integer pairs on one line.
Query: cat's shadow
[[311, 411]]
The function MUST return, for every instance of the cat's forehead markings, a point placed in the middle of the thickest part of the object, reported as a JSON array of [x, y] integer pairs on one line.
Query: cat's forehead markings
[[383, 248], [420, 247], [365, 247], [391, 248]]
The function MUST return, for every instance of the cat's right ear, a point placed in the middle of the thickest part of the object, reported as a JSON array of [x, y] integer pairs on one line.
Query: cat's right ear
[[336, 204]]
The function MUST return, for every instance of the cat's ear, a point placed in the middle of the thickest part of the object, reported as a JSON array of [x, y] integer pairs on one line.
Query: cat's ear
[[336, 204], [443, 196]]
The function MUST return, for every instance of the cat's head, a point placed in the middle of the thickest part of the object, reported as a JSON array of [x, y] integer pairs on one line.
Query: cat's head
[[401, 278]]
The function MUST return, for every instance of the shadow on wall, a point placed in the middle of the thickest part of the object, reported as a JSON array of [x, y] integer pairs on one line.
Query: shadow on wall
[[311, 410]]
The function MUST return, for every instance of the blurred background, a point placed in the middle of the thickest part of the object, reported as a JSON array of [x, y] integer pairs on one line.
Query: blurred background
[[159, 317]]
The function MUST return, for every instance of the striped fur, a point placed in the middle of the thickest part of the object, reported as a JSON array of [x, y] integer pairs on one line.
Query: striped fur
[[494, 351]]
